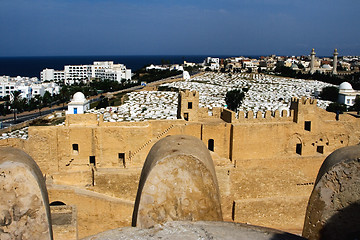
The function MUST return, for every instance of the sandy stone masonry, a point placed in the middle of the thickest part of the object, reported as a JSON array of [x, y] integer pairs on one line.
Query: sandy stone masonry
[[178, 182], [334, 206], [24, 204], [266, 163], [333, 211]]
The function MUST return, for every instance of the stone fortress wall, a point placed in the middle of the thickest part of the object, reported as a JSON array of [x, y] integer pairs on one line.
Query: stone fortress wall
[[266, 163]]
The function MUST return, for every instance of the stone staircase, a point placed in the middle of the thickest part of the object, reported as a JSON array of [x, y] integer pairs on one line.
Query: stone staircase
[[150, 141]]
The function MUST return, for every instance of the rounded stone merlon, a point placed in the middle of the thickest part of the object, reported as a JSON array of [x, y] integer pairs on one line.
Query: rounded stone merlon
[[24, 203], [333, 210], [177, 182], [197, 230], [340, 155]]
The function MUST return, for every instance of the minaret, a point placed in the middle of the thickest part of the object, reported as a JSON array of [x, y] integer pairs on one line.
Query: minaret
[[334, 71], [312, 61]]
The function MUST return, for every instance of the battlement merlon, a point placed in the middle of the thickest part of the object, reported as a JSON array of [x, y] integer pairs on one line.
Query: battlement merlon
[[188, 93], [301, 106], [304, 101], [283, 115]]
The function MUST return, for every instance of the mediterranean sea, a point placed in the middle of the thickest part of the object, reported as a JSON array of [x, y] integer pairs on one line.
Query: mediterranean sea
[[32, 66]]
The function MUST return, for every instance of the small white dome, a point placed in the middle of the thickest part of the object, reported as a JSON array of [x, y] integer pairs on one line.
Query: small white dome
[[345, 86], [79, 97], [326, 66]]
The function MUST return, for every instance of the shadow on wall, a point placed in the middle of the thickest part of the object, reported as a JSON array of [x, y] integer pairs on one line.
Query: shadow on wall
[[345, 224], [285, 236]]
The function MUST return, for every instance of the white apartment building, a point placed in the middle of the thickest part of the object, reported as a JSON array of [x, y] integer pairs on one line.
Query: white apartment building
[[111, 71], [212, 63], [52, 75], [7, 87], [77, 73], [28, 87], [85, 73], [26, 91]]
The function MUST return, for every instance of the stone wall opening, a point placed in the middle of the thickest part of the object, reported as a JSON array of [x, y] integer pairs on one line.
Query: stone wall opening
[[121, 157], [211, 145], [299, 148], [186, 116], [75, 148], [307, 126], [189, 105], [320, 149], [92, 160]]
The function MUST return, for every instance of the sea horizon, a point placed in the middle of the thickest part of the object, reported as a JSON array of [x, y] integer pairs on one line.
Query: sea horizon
[[31, 66]]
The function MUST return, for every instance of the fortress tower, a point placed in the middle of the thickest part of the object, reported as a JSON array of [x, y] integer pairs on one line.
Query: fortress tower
[[312, 62], [188, 105], [334, 71]]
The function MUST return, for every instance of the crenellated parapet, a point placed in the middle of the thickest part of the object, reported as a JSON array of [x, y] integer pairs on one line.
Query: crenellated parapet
[[188, 93], [260, 116], [188, 105], [304, 101], [302, 107]]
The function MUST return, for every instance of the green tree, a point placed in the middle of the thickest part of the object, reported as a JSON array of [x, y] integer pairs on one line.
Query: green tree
[[64, 94], [47, 99], [16, 103], [330, 93], [234, 99], [16, 99], [336, 107], [356, 105], [32, 104], [39, 102], [104, 102]]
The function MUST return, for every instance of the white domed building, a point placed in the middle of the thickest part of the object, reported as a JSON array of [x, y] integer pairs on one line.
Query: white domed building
[[78, 104], [347, 94]]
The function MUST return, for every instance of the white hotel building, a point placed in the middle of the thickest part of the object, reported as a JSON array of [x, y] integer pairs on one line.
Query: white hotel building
[[29, 87], [77, 73]]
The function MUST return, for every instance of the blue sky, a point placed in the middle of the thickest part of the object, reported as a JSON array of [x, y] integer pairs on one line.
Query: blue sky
[[182, 27]]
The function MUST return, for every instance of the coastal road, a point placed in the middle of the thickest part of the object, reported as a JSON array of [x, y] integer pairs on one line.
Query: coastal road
[[22, 118]]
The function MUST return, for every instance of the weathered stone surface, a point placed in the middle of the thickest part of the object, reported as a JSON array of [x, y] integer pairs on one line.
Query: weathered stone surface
[[64, 221], [334, 207], [178, 182], [269, 171], [197, 230], [24, 205]]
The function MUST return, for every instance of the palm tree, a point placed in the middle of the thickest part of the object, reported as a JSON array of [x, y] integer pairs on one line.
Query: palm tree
[[64, 94], [16, 102], [39, 102]]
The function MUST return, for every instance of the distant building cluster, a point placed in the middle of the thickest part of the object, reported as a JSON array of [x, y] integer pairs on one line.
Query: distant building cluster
[[302, 64], [175, 67], [29, 87], [105, 70]]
